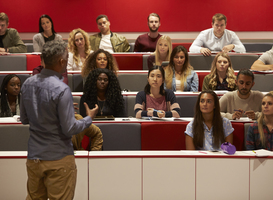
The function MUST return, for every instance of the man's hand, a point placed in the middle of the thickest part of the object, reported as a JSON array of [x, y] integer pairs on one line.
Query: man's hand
[[205, 51], [91, 112], [3, 51], [237, 114], [228, 48], [250, 114]]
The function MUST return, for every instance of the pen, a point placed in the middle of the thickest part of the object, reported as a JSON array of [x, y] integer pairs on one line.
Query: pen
[[254, 151], [157, 111], [238, 110]]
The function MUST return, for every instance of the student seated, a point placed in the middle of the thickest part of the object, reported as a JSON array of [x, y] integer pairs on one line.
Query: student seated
[[10, 96], [162, 52], [208, 130], [155, 100], [179, 74], [79, 49], [99, 59], [94, 134], [102, 88], [259, 134], [46, 33], [243, 102], [221, 75]]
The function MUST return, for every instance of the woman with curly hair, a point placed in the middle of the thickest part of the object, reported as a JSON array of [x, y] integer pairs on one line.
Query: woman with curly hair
[[102, 88], [208, 130], [155, 100], [221, 75], [99, 59], [162, 52], [10, 96], [259, 134], [46, 33], [179, 74], [79, 49]]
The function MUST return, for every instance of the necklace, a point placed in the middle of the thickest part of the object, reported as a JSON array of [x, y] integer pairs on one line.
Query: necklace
[[101, 107]]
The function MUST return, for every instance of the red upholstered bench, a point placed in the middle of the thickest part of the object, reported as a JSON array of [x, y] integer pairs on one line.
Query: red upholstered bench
[[33, 61], [163, 136], [238, 135], [129, 61]]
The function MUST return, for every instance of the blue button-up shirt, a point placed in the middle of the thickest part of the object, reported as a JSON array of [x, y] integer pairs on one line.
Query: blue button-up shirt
[[208, 134], [47, 106]]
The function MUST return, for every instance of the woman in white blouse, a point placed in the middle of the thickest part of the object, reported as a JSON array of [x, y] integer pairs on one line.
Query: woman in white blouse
[[79, 49]]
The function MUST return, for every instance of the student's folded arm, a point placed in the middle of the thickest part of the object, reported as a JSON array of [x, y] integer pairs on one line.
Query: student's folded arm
[[197, 44], [258, 65], [238, 45]]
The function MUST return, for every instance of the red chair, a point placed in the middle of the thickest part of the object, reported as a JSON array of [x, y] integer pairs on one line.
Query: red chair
[[163, 136]]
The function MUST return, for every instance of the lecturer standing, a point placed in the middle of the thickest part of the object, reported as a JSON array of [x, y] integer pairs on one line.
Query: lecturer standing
[[47, 106]]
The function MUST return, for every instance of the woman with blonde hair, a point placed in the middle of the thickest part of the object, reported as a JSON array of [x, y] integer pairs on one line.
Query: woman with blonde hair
[[99, 59], [221, 75], [162, 53], [79, 49], [259, 134], [179, 74]]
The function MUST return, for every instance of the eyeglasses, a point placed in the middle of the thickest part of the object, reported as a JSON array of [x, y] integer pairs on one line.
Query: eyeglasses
[[103, 79]]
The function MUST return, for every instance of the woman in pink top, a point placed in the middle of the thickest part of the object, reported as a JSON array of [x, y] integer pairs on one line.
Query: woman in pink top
[[155, 100]]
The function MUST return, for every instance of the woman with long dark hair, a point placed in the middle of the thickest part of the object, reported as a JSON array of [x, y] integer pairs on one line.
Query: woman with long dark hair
[[155, 100], [208, 130], [46, 33], [180, 75], [102, 88], [10, 96]]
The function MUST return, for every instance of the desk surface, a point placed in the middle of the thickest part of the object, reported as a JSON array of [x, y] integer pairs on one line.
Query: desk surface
[[152, 154], [11, 120]]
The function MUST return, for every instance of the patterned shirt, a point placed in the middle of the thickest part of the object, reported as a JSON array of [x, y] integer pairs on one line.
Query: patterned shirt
[[253, 141], [223, 85], [228, 129]]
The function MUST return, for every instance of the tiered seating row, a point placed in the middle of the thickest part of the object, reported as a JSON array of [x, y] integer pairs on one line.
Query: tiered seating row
[[186, 101], [250, 47], [136, 80], [128, 61], [124, 135]]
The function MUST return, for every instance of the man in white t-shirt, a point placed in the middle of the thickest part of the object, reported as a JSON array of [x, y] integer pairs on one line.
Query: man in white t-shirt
[[217, 38], [111, 42], [243, 102]]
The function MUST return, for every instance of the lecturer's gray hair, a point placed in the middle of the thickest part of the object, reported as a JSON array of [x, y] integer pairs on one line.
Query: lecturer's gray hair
[[52, 51]]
